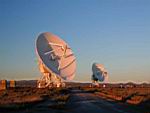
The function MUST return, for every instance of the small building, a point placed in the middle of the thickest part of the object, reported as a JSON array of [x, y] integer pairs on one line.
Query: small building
[[12, 83], [3, 84]]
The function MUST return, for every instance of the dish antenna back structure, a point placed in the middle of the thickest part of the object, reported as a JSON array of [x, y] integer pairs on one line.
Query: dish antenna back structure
[[99, 73], [56, 60]]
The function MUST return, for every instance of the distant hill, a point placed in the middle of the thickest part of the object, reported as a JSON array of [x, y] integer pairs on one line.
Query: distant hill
[[33, 83]]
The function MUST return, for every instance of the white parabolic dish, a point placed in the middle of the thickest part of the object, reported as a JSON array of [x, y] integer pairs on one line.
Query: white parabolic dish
[[99, 72], [56, 56]]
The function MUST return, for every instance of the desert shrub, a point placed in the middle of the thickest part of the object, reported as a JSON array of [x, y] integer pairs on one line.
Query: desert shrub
[[90, 90], [60, 91], [4, 93], [61, 98]]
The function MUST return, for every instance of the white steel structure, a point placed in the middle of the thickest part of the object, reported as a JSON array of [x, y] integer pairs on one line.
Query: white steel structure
[[99, 73], [56, 60]]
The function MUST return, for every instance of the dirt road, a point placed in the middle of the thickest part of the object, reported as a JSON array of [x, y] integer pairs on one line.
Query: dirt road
[[90, 103]]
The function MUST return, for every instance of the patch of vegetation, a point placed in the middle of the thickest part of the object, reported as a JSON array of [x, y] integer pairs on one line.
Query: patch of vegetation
[[60, 91], [15, 106], [3, 94], [60, 101], [62, 98], [91, 90]]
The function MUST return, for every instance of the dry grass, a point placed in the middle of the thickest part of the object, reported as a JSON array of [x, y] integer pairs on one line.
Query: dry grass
[[18, 98], [60, 101], [61, 98], [128, 95]]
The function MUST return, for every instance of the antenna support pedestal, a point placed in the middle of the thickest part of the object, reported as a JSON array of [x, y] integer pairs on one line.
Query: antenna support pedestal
[[49, 80]]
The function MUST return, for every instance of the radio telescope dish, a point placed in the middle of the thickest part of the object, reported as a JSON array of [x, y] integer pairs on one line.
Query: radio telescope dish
[[99, 73], [56, 60]]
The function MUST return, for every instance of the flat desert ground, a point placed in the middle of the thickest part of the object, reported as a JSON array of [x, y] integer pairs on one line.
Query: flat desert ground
[[77, 98]]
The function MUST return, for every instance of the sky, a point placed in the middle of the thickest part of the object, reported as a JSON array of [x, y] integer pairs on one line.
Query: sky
[[115, 33]]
